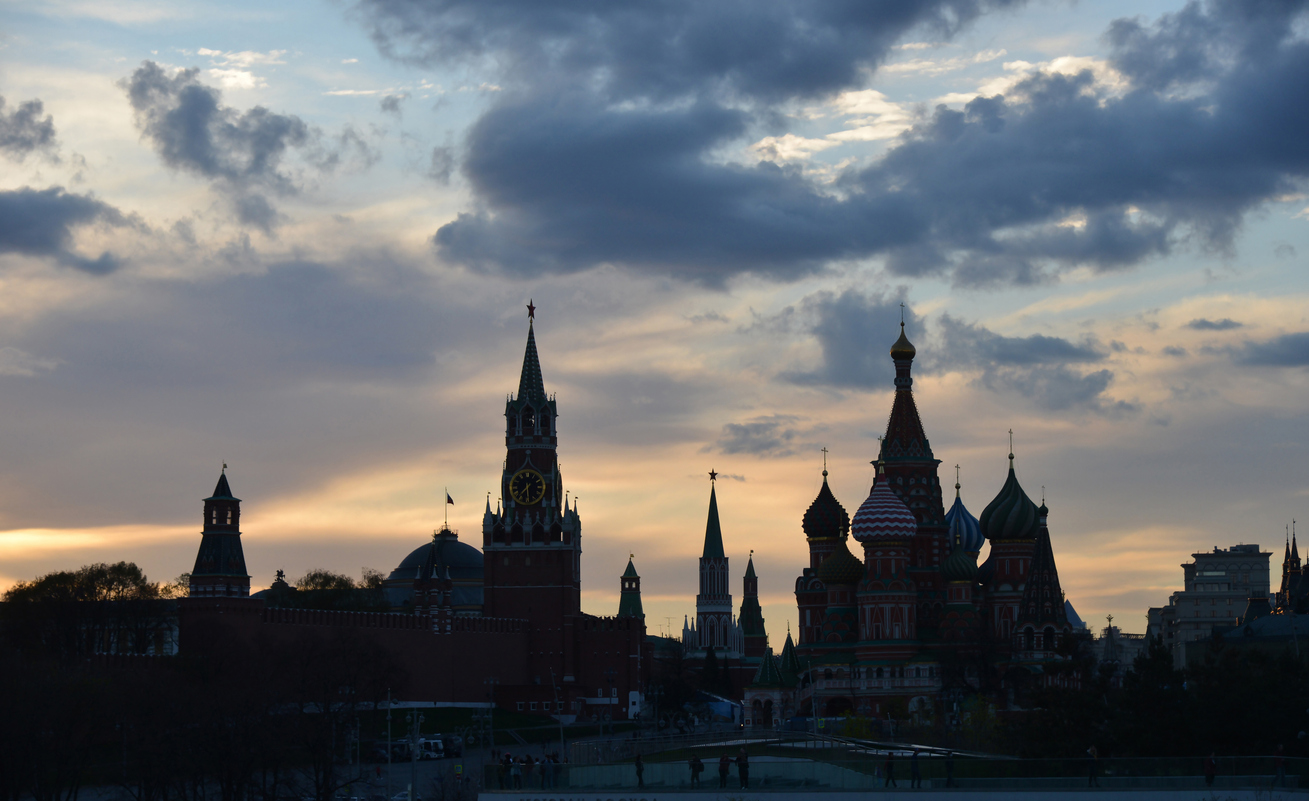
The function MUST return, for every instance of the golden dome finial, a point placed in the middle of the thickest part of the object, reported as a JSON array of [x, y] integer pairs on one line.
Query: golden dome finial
[[903, 348]]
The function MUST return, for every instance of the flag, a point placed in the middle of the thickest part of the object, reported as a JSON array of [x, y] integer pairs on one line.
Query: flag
[[448, 499]]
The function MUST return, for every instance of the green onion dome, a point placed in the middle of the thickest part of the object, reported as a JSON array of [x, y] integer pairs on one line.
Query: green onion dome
[[1012, 515], [960, 566], [840, 567]]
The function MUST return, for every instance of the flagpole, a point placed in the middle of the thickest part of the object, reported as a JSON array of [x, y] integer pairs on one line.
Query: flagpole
[[447, 507]]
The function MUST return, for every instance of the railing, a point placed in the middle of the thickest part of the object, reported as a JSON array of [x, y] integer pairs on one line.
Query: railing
[[870, 774], [608, 750]]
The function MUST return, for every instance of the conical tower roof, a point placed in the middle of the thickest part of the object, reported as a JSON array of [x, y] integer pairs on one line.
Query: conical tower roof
[[749, 568], [905, 438], [713, 533], [222, 491], [1043, 601], [530, 384], [768, 675], [630, 572], [789, 665]]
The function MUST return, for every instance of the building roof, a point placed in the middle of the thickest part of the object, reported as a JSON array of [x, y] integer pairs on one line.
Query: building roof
[[1043, 601], [789, 665], [1011, 515], [960, 565], [768, 675], [965, 531], [905, 439], [840, 567], [630, 572], [222, 492], [883, 515], [826, 518], [530, 384], [713, 532]]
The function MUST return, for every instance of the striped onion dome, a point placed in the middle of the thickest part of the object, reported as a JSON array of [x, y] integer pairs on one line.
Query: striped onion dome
[[883, 515], [965, 531]]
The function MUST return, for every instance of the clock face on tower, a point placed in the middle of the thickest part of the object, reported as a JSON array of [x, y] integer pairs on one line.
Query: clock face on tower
[[527, 487]]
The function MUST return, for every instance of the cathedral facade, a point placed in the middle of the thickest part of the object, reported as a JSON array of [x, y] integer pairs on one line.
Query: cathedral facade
[[895, 614]]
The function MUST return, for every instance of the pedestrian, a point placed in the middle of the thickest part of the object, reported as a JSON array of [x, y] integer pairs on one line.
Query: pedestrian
[[1279, 766], [743, 769], [697, 767], [547, 773], [516, 771], [724, 765], [1210, 768], [949, 768], [915, 777], [889, 767], [640, 771], [1093, 771]]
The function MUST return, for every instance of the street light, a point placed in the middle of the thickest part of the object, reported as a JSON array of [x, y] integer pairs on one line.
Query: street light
[[415, 726]]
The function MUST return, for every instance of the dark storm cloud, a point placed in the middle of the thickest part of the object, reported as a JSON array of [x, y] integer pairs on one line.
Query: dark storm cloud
[[40, 222], [1225, 324], [1288, 350], [23, 131], [1010, 190], [241, 153], [1036, 368], [855, 332]]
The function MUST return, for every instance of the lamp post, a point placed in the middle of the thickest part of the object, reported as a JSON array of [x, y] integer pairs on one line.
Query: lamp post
[[559, 711], [388, 744], [490, 682], [415, 726]]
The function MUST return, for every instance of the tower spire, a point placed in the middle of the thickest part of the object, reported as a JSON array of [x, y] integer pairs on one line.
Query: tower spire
[[713, 534], [530, 384]]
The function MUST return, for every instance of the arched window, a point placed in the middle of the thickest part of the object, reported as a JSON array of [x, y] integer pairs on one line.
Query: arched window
[[879, 673], [529, 421], [1049, 639], [827, 674], [545, 424], [1029, 639]]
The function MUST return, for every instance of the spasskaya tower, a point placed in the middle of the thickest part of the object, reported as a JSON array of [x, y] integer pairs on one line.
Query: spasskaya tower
[[532, 543]]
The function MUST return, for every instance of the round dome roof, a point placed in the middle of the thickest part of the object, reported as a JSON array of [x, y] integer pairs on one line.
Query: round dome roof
[[959, 566], [464, 560], [826, 518], [965, 531], [1012, 515], [883, 515], [903, 348], [840, 567]]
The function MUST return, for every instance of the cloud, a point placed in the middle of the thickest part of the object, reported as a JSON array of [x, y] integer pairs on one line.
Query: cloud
[[1064, 170], [40, 222], [391, 104], [1225, 324], [442, 164], [1288, 350], [771, 435], [1174, 351], [14, 361], [241, 153], [1037, 368], [854, 332], [23, 132]]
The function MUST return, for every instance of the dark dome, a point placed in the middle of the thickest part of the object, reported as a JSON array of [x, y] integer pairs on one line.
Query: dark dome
[[1012, 515], [826, 518], [840, 567], [464, 560], [959, 566]]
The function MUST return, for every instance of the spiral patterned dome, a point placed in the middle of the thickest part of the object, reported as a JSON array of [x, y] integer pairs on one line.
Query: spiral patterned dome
[[960, 566], [826, 518], [840, 567], [965, 531], [883, 516], [1012, 515]]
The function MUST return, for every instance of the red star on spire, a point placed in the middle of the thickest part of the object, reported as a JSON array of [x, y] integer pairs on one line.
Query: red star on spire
[[531, 311], [713, 476]]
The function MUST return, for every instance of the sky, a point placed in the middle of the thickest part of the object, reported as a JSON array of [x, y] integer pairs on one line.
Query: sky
[[299, 238]]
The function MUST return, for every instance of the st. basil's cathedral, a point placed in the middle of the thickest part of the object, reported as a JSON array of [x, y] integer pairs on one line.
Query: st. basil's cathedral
[[914, 620]]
